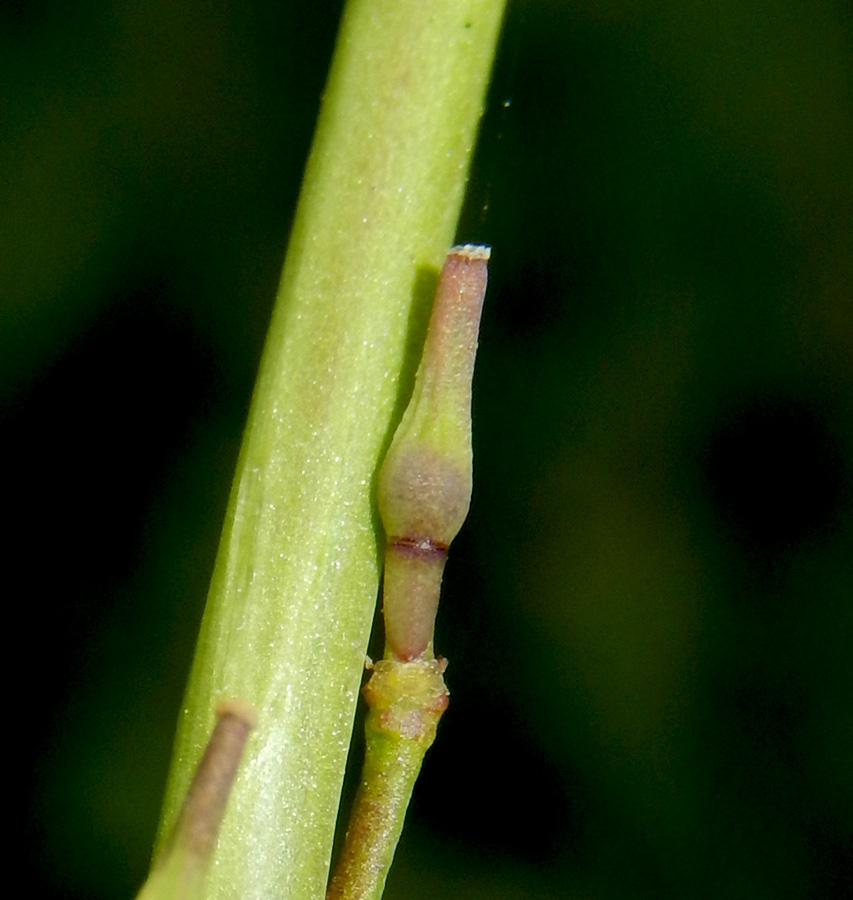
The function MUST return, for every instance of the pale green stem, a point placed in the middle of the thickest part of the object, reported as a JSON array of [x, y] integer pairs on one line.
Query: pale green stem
[[296, 577], [406, 700]]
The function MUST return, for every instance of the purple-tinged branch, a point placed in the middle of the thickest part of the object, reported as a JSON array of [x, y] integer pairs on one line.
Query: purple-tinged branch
[[425, 482], [180, 871]]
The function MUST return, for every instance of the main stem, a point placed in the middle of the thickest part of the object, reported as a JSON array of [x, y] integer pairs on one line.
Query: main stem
[[295, 582]]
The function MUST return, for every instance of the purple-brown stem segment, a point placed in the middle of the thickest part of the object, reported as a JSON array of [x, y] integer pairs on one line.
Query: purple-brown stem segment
[[424, 492], [424, 486], [180, 870]]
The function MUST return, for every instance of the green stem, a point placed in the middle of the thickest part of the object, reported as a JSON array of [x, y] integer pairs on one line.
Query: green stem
[[406, 700], [295, 582]]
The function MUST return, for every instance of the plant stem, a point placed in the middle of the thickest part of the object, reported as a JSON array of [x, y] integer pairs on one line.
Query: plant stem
[[406, 700], [295, 582], [423, 497]]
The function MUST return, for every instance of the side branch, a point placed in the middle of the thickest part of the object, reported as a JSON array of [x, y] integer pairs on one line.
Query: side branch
[[424, 495], [406, 700]]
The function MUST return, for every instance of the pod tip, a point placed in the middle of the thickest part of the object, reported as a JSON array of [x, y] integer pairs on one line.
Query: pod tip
[[471, 251]]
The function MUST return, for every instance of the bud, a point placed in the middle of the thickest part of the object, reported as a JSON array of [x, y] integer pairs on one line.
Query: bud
[[424, 488]]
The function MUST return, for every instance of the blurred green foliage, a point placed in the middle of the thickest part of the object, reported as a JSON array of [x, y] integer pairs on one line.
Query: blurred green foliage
[[648, 612]]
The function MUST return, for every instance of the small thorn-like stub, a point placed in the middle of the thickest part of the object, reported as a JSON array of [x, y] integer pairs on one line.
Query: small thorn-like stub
[[204, 807], [424, 489], [181, 868]]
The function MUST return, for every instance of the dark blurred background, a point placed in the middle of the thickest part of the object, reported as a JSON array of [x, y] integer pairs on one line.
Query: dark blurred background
[[648, 614]]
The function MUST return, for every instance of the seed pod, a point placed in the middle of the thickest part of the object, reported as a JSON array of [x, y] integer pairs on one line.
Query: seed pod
[[424, 488]]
